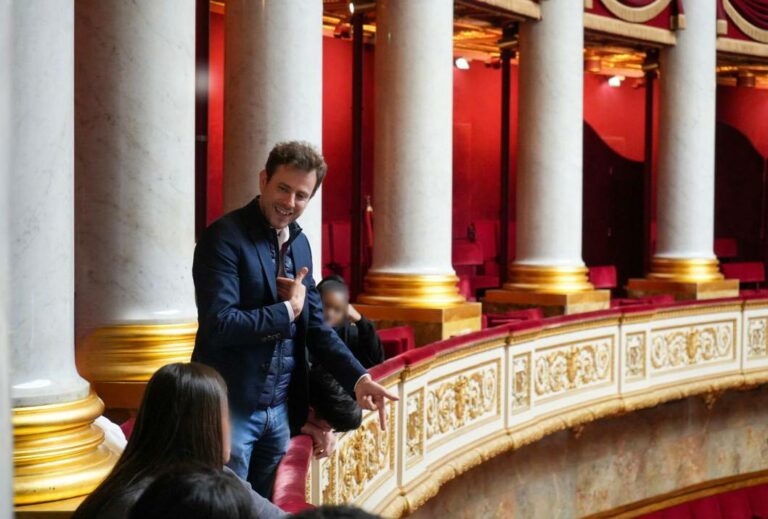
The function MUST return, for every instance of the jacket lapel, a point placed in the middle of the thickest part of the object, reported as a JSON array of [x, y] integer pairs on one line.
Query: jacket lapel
[[259, 233]]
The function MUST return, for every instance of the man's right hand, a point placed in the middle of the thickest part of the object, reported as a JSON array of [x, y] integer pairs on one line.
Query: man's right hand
[[293, 290]]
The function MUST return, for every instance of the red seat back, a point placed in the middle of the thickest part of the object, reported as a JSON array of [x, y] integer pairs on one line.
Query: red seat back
[[341, 242], [745, 272], [397, 340], [603, 276], [726, 248], [487, 235]]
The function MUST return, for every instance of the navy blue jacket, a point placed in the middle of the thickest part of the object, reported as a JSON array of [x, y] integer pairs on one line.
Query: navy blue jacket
[[241, 319]]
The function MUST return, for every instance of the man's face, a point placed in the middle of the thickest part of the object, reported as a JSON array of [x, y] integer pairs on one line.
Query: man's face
[[285, 196]]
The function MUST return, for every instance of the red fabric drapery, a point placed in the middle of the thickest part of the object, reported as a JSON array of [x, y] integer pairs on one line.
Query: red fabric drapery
[[754, 11]]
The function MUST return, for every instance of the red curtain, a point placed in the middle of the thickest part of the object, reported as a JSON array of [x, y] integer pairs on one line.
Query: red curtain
[[754, 11]]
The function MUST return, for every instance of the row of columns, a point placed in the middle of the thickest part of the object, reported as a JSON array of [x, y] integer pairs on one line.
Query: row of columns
[[102, 166]]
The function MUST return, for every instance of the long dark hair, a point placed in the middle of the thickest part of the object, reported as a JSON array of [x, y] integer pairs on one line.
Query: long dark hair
[[179, 420]]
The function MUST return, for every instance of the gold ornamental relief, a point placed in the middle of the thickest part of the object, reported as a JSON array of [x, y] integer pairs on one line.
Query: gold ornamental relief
[[635, 356], [757, 345], [576, 366], [692, 345], [415, 424], [462, 399], [328, 480], [363, 455], [521, 382]]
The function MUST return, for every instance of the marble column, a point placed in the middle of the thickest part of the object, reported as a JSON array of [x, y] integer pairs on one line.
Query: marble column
[[548, 269], [135, 191], [684, 262], [58, 452], [6, 438], [273, 93], [411, 278]]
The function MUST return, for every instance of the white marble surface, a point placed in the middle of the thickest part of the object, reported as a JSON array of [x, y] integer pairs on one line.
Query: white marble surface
[[549, 177], [273, 93], [686, 175], [42, 205], [135, 164], [413, 134], [6, 436]]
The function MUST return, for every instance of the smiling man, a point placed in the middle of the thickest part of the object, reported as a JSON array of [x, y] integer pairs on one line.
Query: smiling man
[[259, 311]]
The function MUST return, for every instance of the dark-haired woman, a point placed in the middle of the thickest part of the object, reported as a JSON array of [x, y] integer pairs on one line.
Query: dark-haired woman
[[183, 418]]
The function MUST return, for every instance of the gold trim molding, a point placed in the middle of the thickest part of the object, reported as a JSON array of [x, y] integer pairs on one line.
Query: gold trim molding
[[132, 353], [58, 451], [753, 31], [685, 270], [685, 495], [548, 279], [636, 14], [411, 290], [743, 47], [635, 31]]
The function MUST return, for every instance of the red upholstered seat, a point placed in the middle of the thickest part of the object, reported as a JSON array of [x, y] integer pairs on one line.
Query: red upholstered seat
[[465, 252], [726, 248], [327, 250], [127, 426], [745, 272], [603, 276], [388, 367], [397, 340], [487, 235], [291, 479]]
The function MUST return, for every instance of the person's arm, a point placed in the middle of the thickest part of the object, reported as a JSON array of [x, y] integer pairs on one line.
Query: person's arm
[[262, 507], [369, 349], [326, 346], [217, 291]]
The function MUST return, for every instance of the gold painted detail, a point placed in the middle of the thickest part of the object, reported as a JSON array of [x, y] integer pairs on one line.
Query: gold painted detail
[[415, 424], [751, 30], [548, 279], [521, 382], [635, 360], [757, 340], [458, 400], [411, 290], [576, 366], [367, 454], [132, 353], [58, 451], [687, 270], [606, 24], [328, 479], [692, 345], [635, 14]]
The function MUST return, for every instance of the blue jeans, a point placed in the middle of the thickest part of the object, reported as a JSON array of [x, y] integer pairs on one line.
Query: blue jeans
[[259, 442]]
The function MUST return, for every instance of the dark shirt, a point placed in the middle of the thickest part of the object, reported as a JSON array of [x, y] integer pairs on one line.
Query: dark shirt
[[363, 341]]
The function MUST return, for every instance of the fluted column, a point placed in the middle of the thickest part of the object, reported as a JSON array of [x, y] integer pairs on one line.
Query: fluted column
[[684, 261], [413, 166], [58, 452], [6, 438], [273, 93], [135, 185], [549, 176]]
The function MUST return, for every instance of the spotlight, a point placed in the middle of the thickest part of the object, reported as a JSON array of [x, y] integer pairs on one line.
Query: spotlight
[[615, 81], [351, 8], [461, 63]]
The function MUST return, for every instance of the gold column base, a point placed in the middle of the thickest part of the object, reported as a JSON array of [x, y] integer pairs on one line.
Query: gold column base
[[557, 290], [551, 304], [685, 270], [58, 452], [119, 360], [685, 278], [429, 324], [548, 279], [411, 290]]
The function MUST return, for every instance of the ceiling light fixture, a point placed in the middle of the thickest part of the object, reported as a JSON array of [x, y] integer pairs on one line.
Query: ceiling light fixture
[[461, 63], [615, 81]]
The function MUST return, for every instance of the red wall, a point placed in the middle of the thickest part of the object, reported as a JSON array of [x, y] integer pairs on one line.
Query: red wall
[[746, 109], [216, 118]]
